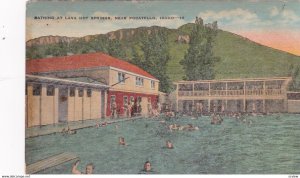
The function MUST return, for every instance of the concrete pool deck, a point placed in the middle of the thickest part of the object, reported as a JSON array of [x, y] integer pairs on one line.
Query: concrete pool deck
[[57, 128]]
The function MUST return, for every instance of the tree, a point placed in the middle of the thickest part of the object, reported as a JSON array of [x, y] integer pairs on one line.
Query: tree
[[199, 61], [295, 74], [136, 57], [115, 49], [155, 58]]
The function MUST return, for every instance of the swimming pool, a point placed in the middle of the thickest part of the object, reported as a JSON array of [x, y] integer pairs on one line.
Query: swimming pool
[[262, 145]]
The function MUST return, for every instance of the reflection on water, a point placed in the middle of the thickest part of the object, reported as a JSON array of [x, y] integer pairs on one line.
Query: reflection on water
[[266, 145]]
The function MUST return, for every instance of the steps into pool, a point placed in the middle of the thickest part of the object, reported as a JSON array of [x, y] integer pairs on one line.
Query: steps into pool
[[50, 162]]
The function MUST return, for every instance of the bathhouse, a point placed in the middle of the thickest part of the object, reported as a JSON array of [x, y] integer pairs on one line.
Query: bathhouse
[[121, 81], [52, 100], [263, 95]]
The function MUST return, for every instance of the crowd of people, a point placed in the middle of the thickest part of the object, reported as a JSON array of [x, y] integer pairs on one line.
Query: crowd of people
[[162, 116]]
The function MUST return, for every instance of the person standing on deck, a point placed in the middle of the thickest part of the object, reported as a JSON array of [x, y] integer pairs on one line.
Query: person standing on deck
[[150, 111], [158, 107], [126, 111], [113, 109], [201, 108]]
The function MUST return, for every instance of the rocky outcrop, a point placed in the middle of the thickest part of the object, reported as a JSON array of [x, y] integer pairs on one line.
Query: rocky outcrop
[[213, 25], [183, 39], [45, 40]]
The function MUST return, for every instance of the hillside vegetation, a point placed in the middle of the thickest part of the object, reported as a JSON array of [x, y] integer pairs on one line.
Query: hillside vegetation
[[239, 57]]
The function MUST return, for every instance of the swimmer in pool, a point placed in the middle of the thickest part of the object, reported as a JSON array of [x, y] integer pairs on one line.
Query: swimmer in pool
[[147, 166], [74, 167], [89, 169], [169, 144], [122, 141]]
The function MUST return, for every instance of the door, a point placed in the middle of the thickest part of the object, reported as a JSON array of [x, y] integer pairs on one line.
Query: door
[[63, 105], [103, 104]]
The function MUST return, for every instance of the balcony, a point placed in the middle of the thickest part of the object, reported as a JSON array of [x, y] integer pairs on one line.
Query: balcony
[[241, 92]]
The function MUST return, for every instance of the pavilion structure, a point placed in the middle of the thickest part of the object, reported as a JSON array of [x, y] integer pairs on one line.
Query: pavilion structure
[[261, 95]]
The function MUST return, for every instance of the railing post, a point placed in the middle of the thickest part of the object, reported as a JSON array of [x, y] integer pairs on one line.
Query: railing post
[[193, 94], [244, 104], [177, 95]]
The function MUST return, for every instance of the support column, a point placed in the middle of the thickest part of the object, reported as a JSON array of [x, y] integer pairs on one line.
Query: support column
[[209, 97], [177, 95], [209, 105], [56, 100], [82, 108], [244, 104], [264, 96]]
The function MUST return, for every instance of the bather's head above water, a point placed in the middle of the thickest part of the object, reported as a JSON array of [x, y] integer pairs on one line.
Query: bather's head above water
[[89, 169], [147, 166]]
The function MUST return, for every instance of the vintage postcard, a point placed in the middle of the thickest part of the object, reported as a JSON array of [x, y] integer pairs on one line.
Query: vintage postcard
[[162, 87]]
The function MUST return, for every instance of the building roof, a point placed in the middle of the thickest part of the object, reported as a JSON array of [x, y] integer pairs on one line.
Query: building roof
[[50, 80], [85, 80], [81, 61]]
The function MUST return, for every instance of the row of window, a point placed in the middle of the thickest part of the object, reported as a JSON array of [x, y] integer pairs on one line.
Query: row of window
[[37, 89], [139, 81], [125, 99]]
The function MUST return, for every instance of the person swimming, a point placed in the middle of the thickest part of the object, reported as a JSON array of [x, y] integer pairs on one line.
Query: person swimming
[[68, 131], [147, 166], [215, 119], [74, 167], [169, 144], [89, 169], [122, 141]]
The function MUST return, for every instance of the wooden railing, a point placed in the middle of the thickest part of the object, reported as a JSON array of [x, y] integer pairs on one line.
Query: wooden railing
[[252, 92]]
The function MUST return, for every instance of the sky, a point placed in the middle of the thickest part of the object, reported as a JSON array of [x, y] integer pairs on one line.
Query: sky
[[273, 23]]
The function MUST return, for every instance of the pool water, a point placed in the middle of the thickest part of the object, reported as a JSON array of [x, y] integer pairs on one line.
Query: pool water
[[261, 145]]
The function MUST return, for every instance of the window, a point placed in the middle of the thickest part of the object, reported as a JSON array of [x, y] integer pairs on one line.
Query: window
[[131, 99], [152, 84], [37, 89], [125, 100], [121, 77], [72, 91], [139, 99], [89, 92], [50, 90], [80, 92], [139, 81], [112, 99]]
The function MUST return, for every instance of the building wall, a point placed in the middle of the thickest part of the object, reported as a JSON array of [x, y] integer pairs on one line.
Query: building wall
[[41, 110], [294, 106], [109, 77], [91, 106], [33, 108], [71, 107], [86, 106], [47, 107], [130, 83], [78, 106], [96, 104], [119, 100]]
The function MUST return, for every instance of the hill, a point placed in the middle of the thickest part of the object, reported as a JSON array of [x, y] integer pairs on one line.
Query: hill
[[240, 57]]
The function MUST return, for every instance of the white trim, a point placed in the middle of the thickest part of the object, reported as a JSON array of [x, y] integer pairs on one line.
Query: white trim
[[131, 73], [233, 80], [68, 70], [95, 68], [35, 77], [132, 91]]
